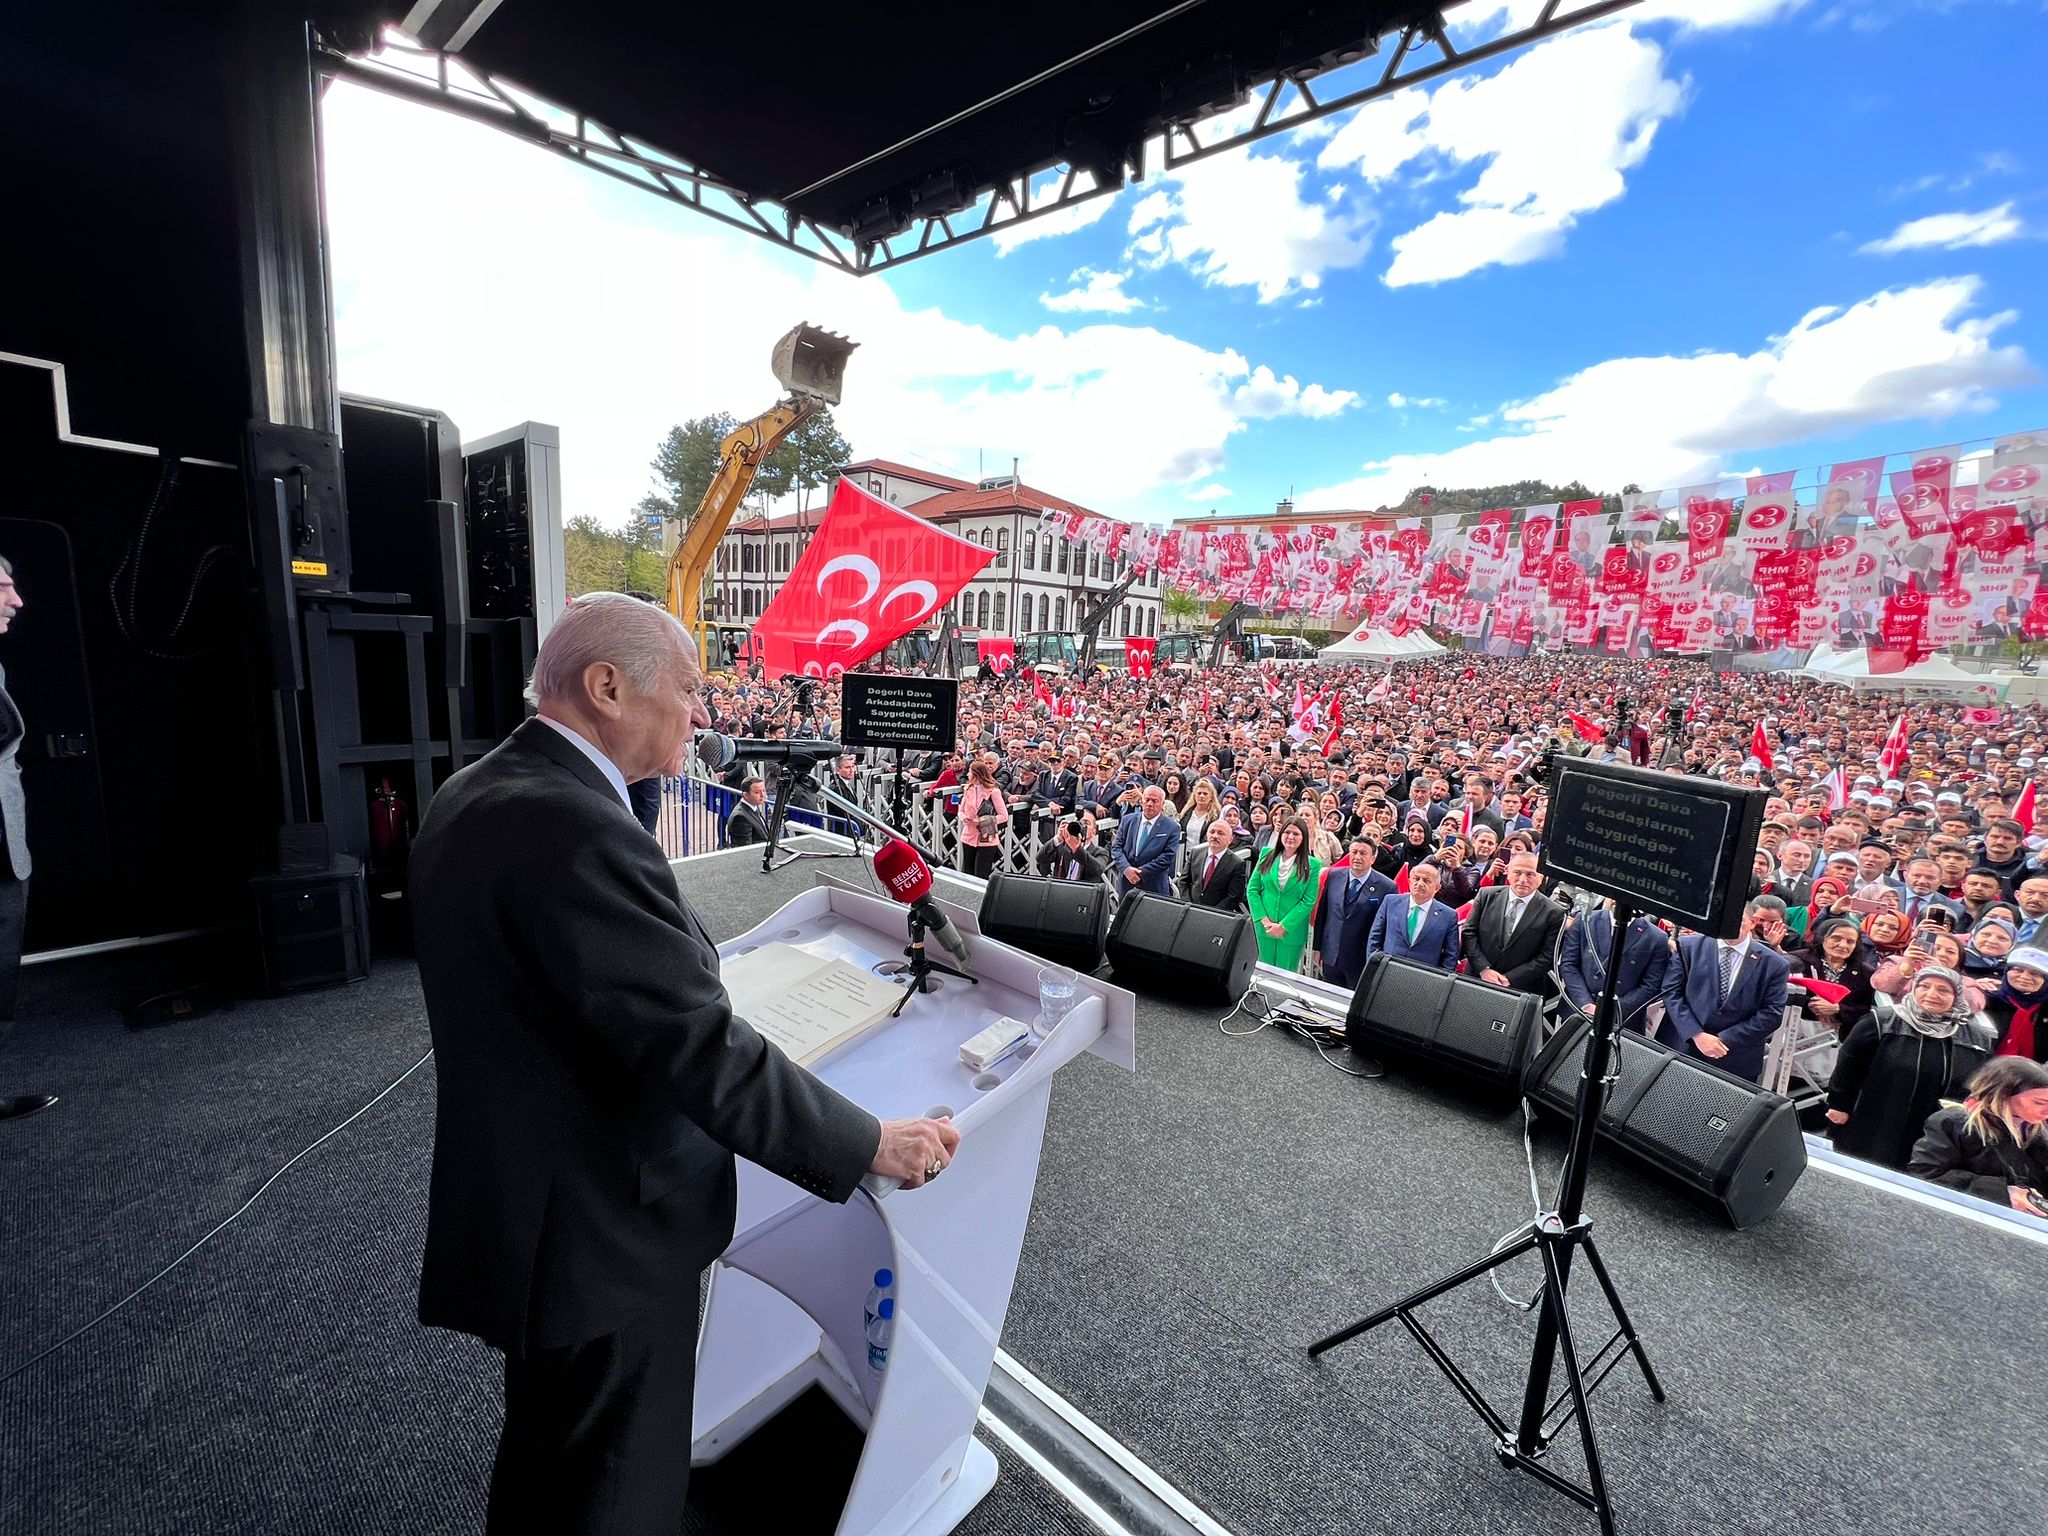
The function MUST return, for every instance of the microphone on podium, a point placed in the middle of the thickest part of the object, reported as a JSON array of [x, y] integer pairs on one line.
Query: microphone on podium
[[906, 876], [718, 751]]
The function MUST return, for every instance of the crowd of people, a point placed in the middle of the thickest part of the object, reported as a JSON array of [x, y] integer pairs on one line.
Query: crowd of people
[[1897, 896]]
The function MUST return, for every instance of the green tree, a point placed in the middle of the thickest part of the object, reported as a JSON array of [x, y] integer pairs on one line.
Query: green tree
[[806, 458], [1182, 609], [685, 463], [593, 556]]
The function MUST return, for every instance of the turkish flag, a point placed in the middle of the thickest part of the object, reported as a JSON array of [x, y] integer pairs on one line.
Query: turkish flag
[[1760, 746], [871, 574], [1587, 729], [2023, 808]]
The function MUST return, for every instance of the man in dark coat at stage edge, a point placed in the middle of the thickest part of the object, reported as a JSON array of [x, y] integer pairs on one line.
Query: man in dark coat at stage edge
[[594, 1085]]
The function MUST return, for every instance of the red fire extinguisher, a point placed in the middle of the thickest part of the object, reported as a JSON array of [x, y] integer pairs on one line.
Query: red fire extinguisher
[[387, 826]]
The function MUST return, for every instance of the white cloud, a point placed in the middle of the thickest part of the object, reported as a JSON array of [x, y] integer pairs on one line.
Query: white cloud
[[1240, 220], [1555, 130], [1262, 395], [614, 316], [1479, 24], [1950, 232], [1401, 402], [1905, 354], [1099, 293], [1063, 221]]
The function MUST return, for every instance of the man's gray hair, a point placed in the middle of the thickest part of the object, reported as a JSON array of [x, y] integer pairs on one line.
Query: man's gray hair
[[639, 638]]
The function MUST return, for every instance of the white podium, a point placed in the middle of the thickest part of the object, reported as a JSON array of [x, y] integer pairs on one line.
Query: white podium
[[785, 1304]]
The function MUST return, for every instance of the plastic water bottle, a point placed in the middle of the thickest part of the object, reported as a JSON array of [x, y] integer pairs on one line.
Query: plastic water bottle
[[885, 1281], [881, 1327]]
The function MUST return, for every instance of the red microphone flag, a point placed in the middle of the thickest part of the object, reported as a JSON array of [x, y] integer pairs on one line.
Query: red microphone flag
[[871, 574]]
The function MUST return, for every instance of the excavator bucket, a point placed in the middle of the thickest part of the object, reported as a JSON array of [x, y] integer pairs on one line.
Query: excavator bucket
[[812, 362]]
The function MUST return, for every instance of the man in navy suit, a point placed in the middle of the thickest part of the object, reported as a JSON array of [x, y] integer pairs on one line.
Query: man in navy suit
[[1147, 846], [1342, 928], [1583, 964], [1416, 926], [1723, 999]]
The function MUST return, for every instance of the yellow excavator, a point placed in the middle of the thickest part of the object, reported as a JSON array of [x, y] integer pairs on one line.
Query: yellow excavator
[[810, 365]]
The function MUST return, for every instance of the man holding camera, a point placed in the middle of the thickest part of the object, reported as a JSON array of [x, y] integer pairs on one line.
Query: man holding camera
[[1075, 854]]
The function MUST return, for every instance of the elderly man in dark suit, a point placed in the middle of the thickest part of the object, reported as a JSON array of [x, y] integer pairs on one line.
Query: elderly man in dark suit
[[1510, 938], [1414, 925], [1583, 965], [594, 1085], [14, 859], [1724, 998], [1219, 874], [1147, 847], [1341, 929]]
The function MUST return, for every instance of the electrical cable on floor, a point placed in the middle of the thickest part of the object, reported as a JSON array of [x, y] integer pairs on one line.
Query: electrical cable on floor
[[1535, 1200], [1302, 1026], [80, 1332]]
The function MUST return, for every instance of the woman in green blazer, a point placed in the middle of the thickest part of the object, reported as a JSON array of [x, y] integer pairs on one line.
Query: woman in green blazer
[[1283, 897]]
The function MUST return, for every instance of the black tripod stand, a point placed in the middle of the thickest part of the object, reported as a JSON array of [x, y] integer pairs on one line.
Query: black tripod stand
[[1553, 1236], [920, 966]]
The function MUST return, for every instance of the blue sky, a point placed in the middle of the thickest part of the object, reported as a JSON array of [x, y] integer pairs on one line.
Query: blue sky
[[1706, 237]]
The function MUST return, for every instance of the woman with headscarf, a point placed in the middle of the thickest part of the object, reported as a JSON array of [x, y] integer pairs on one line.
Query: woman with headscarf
[[1900, 1062], [1984, 953], [1827, 893], [1931, 945], [1415, 844], [1834, 955], [1994, 1144], [2015, 1009], [1885, 934]]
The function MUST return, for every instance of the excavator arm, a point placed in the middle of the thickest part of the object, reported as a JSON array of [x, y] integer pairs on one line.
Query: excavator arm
[[1098, 616], [811, 365]]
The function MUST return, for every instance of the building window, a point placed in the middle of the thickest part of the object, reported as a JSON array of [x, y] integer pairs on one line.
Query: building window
[[1030, 548], [981, 611], [1152, 621], [1002, 605], [1059, 613], [1002, 556], [1124, 621], [1044, 615], [1095, 562], [1045, 557], [1064, 546]]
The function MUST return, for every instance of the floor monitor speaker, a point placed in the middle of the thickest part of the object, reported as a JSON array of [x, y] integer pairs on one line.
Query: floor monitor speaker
[[1173, 949], [1482, 1033], [1064, 921], [1721, 1137]]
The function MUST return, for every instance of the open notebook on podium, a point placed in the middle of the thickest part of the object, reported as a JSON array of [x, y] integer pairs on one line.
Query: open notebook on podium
[[807, 1005]]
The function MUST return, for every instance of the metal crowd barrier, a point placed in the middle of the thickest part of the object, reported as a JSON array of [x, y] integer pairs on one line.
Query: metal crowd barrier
[[696, 807]]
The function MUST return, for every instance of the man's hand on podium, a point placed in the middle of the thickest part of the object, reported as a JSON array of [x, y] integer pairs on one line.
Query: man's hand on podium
[[915, 1151]]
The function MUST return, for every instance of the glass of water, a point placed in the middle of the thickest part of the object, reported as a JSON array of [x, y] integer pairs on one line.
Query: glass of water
[[1059, 990]]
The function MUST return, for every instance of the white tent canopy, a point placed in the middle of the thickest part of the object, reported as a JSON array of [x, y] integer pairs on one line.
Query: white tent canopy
[[1369, 644], [1932, 676]]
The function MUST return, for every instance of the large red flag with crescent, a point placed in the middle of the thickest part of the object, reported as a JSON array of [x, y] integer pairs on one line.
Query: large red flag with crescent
[[872, 573]]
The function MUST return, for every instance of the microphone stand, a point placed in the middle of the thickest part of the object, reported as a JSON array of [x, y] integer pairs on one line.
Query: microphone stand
[[1555, 1236], [800, 768], [920, 965]]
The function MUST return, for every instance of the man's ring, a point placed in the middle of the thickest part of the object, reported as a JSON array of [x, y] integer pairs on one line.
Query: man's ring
[[935, 1170]]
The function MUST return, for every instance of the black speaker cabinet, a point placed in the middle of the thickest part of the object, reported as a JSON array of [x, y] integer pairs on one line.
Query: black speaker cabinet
[[1480, 1033], [313, 929], [1722, 1138], [1175, 949], [1064, 921]]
